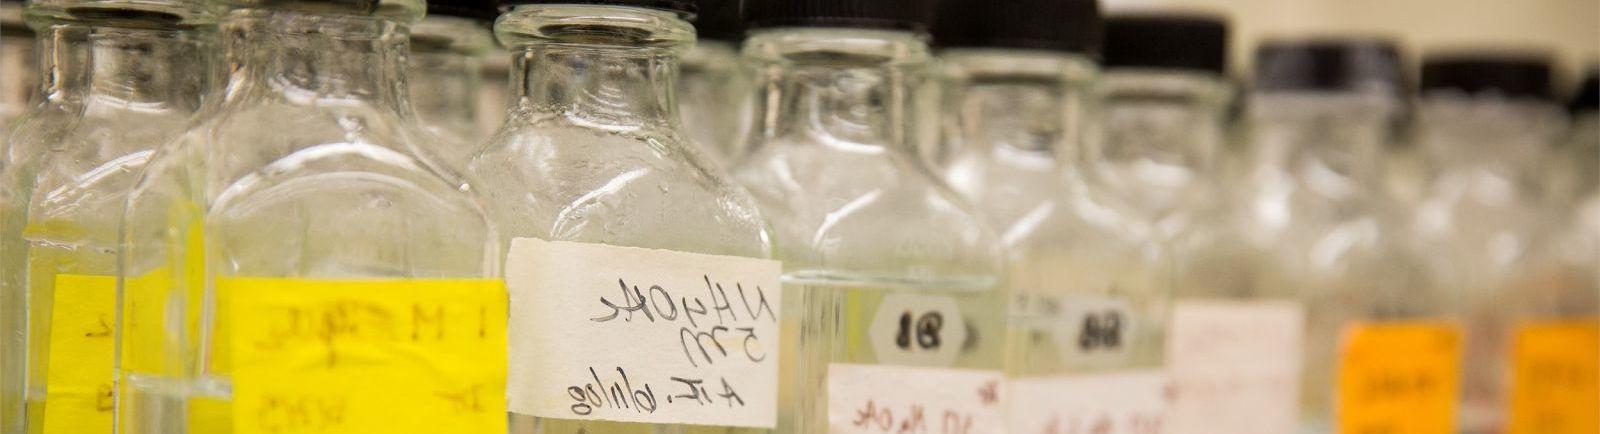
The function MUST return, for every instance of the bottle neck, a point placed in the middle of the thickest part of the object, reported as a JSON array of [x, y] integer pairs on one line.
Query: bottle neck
[[1019, 106], [1328, 145], [604, 67], [1487, 136], [154, 68], [445, 72], [309, 58], [1163, 136], [854, 90]]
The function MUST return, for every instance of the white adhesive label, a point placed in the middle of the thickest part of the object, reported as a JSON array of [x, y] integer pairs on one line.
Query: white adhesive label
[[923, 330], [640, 335], [879, 399], [1132, 402], [1096, 331], [1235, 366]]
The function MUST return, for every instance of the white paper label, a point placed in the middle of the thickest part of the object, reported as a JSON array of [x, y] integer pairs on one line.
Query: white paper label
[[880, 399], [921, 330], [1096, 331], [640, 335], [1235, 366], [1132, 402]]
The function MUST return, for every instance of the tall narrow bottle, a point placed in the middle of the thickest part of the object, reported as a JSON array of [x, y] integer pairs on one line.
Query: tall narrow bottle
[[1486, 122], [292, 263], [642, 299], [1086, 302], [897, 276], [120, 78], [714, 89], [448, 49]]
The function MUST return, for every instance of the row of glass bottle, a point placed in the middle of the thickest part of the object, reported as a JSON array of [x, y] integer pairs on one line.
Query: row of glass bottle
[[1116, 262]]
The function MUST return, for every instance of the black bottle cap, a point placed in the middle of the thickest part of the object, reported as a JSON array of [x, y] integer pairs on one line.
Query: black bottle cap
[[1511, 75], [1190, 41], [720, 20], [1587, 99], [1060, 25], [485, 10], [913, 15], [683, 7], [1329, 65]]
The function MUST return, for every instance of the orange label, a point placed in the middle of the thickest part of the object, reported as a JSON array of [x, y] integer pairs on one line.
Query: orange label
[[1399, 378], [1556, 375]]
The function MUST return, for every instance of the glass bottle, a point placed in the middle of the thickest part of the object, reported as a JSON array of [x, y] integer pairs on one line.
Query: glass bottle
[[1486, 122], [713, 88], [448, 49], [297, 226], [897, 276], [1087, 302], [120, 78], [593, 176], [16, 64]]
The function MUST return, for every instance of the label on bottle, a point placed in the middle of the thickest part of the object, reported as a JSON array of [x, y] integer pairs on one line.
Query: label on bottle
[[1097, 331], [916, 329], [628, 334], [78, 394], [1235, 366], [1399, 378], [1556, 378], [1131, 402], [313, 356], [882, 399]]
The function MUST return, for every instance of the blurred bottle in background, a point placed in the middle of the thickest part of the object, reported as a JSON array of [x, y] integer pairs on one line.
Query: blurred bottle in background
[[714, 90], [17, 69], [445, 72], [1087, 299]]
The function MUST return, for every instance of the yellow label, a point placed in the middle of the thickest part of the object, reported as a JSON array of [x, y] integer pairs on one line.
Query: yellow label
[[1399, 378], [1556, 374], [78, 398], [367, 356]]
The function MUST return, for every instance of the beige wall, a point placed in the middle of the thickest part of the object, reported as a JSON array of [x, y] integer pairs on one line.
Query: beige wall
[[1569, 29]]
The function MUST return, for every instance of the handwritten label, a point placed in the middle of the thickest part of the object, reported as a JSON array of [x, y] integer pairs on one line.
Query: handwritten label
[[367, 356], [910, 329], [78, 393], [1399, 378], [1096, 331], [1130, 402], [880, 399], [1556, 378], [1235, 366], [640, 335]]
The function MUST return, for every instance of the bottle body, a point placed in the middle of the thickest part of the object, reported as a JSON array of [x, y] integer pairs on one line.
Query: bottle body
[[714, 94]]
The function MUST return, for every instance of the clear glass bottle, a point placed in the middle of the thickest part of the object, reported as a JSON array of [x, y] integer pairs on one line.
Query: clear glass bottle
[[299, 222], [1485, 122], [898, 277], [448, 49], [713, 88], [120, 78], [16, 64], [593, 156]]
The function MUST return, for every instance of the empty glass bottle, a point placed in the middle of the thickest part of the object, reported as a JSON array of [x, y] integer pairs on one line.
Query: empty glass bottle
[[714, 89], [596, 185], [294, 262], [1087, 305], [448, 49], [1486, 122], [898, 277], [120, 78]]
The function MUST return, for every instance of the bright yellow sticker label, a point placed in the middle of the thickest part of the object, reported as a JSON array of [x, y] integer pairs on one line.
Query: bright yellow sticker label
[[367, 356], [78, 397], [1556, 378], [1399, 378]]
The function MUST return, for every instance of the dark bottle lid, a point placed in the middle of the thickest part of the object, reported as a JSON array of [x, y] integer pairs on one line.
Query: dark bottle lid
[[683, 7], [485, 10], [720, 20], [1190, 41], [1060, 25], [1329, 65], [913, 15], [1587, 99], [1511, 75]]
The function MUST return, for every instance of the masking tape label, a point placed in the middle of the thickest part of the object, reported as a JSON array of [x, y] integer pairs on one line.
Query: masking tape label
[[1399, 378], [1556, 378], [317, 356], [1235, 366], [881, 399], [78, 398], [1129, 402], [642, 335]]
